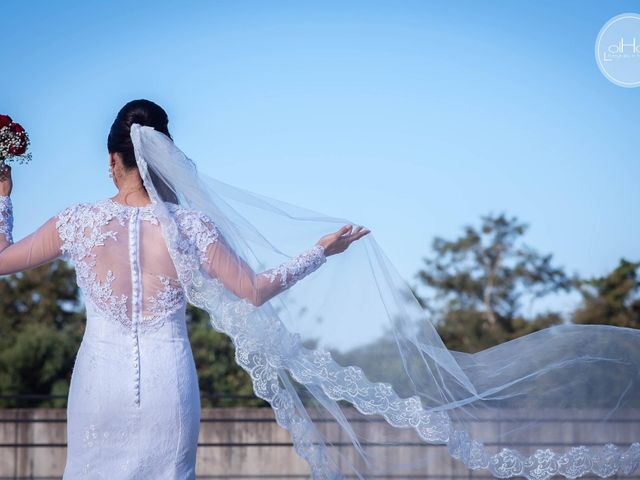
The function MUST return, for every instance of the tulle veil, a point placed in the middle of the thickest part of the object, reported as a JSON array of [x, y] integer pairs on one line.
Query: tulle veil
[[354, 368]]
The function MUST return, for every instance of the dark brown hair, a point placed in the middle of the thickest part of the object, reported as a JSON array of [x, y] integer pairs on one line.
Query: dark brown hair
[[144, 112]]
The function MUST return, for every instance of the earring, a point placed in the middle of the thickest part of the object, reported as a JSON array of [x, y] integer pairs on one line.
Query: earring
[[110, 172]]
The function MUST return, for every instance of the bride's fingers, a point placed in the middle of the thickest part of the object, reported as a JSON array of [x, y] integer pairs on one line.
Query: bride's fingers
[[347, 234], [363, 232], [343, 230], [353, 235], [359, 229], [356, 236], [359, 236]]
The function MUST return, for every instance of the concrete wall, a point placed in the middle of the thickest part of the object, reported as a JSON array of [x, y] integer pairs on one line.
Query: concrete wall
[[247, 443]]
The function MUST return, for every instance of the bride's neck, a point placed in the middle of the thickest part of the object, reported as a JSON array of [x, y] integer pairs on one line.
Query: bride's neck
[[131, 191]]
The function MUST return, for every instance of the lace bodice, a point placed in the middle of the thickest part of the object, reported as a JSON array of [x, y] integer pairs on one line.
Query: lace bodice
[[123, 266]]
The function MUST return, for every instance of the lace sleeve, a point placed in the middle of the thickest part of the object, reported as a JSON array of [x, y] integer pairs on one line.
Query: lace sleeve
[[39, 247], [6, 219], [220, 261], [69, 228], [288, 273]]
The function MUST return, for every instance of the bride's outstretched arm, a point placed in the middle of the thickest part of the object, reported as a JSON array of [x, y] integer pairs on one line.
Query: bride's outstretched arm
[[222, 262], [237, 276], [39, 247]]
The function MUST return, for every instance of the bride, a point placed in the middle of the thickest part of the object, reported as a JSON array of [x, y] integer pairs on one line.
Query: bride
[[134, 404], [349, 344]]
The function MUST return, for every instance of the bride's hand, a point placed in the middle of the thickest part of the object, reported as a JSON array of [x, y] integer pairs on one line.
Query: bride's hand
[[6, 184], [337, 242]]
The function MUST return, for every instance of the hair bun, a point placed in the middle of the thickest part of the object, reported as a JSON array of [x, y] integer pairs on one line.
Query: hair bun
[[137, 117], [143, 112]]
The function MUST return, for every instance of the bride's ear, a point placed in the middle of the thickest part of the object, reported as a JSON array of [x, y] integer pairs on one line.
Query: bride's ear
[[115, 162], [115, 166]]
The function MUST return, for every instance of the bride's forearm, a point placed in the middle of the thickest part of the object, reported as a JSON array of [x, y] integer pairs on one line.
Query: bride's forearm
[[276, 280], [220, 261], [38, 247], [6, 222]]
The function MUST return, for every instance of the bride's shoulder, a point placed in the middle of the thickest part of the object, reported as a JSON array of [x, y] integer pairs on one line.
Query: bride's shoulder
[[74, 218], [75, 208], [188, 214], [91, 211], [195, 223]]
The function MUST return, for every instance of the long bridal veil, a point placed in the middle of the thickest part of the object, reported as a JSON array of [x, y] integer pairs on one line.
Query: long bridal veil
[[355, 370]]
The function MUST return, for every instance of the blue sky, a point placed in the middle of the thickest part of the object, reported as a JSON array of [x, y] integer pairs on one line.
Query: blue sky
[[412, 118]]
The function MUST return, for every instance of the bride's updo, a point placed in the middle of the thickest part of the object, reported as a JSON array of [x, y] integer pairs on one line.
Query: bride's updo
[[144, 112]]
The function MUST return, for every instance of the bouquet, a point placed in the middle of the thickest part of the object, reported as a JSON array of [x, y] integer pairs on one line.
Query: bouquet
[[14, 142]]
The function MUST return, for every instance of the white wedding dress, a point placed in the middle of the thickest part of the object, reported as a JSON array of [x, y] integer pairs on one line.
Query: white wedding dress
[[134, 404]]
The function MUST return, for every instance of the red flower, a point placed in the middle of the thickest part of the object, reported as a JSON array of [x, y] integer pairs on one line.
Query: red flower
[[16, 128], [5, 120], [18, 150], [14, 141]]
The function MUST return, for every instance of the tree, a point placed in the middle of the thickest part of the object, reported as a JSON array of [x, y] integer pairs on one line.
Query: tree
[[480, 280], [217, 369], [41, 327], [42, 323], [613, 299]]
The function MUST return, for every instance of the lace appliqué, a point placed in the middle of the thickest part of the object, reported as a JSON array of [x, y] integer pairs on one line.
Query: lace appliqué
[[199, 231], [545, 463], [164, 302], [72, 224], [6, 217], [298, 267]]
